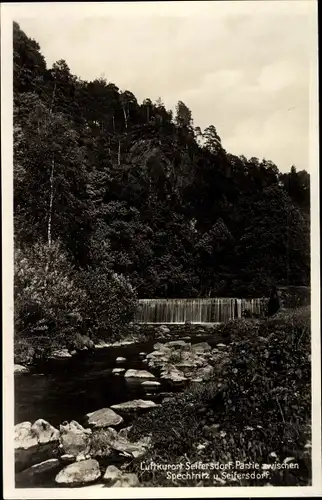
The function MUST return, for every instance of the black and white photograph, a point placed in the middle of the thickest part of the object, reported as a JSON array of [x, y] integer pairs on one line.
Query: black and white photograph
[[161, 255]]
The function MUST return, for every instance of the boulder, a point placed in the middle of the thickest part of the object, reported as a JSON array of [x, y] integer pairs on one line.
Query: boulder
[[118, 370], [174, 376], [34, 443], [201, 347], [181, 344], [136, 404], [221, 346], [120, 359], [105, 417], [127, 480], [34, 474], [142, 353], [67, 458], [112, 473], [44, 432], [60, 353], [123, 433], [151, 383], [135, 449], [74, 439], [79, 473], [164, 329], [21, 369], [138, 374]]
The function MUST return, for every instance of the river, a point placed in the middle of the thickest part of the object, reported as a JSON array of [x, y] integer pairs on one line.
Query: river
[[69, 388]]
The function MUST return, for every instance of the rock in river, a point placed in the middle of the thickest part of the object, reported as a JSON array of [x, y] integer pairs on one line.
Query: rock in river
[[120, 359], [151, 383], [79, 473], [21, 369], [34, 474], [136, 404], [105, 417], [34, 443], [118, 370], [74, 439], [138, 374]]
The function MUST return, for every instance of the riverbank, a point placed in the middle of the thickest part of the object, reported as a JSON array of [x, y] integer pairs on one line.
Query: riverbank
[[217, 411]]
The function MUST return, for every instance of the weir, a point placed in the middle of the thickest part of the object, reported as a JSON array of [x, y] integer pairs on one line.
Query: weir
[[198, 311]]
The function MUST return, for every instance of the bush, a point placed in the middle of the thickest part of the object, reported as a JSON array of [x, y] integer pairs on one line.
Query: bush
[[110, 302], [46, 300], [57, 306]]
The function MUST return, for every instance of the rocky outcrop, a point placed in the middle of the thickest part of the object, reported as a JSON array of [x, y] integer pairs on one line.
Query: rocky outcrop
[[74, 439], [34, 443], [135, 405], [78, 473], [105, 417]]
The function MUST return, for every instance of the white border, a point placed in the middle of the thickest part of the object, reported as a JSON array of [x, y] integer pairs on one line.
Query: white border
[[140, 9]]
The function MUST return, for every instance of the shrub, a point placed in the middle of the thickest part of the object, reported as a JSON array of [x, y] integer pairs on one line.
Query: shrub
[[46, 299], [110, 302]]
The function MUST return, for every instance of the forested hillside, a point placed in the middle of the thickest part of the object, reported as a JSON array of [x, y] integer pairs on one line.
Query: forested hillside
[[106, 186]]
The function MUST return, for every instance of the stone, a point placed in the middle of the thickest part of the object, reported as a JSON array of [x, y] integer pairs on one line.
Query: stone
[[21, 369], [24, 438], [34, 443], [60, 353], [201, 347], [136, 404], [120, 359], [127, 480], [123, 433], [74, 439], [105, 417], [151, 383], [138, 374], [112, 473], [34, 473], [181, 344], [221, 346], [118, 370], [44, 432], [79, 473], [164, 329], [102, 345], [142, 353], [67, 458]]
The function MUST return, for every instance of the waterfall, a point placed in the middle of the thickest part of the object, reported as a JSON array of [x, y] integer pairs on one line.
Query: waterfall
[[214, 310]]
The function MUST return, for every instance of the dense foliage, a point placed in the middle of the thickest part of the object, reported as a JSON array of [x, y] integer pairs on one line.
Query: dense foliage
[[137, 190], [256, 408]]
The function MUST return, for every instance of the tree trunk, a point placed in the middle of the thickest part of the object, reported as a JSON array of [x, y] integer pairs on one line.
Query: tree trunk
[[119, 154], [51, 199]]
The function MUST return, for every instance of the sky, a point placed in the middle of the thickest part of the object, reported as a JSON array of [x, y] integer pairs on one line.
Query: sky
[[244, 67]]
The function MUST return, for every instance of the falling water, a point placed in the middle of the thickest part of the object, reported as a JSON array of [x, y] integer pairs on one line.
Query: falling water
[[215, 310]]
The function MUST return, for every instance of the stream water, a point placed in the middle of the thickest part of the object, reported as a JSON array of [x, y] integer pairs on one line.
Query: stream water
[[69, 388]]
